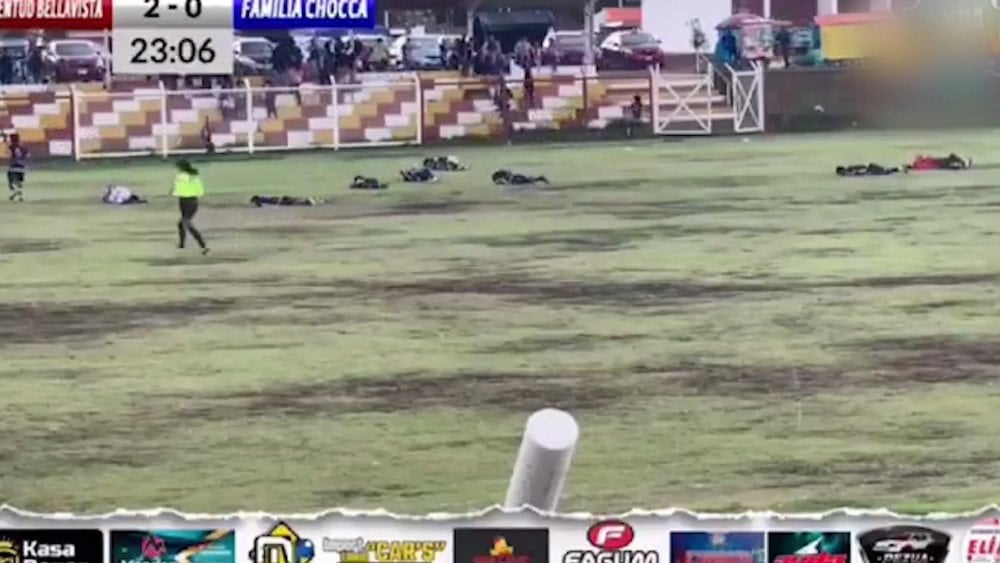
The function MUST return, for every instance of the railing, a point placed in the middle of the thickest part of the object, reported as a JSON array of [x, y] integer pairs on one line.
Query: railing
[[248, 119]]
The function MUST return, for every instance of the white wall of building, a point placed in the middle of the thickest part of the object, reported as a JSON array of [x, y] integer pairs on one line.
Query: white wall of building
[[667, 20]]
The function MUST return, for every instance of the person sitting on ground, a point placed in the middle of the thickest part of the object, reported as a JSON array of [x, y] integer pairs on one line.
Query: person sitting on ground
[[871, 169], [121, 195], [284, 200], [444, 164], [367, 183], [506, 177], [418, 175], [950, 162]]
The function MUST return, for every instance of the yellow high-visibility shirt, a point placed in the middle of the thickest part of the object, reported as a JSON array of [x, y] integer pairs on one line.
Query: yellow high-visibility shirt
[[188, 185]]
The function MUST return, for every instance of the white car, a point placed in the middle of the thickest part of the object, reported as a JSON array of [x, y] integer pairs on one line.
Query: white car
[[908, 542]]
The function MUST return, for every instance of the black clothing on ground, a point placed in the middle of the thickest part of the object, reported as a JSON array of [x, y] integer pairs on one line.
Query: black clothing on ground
[[953, 162], [284, 200], [443, 164], [506, 177], [189, 207], [418, 175], [870, 169], [366, 183]]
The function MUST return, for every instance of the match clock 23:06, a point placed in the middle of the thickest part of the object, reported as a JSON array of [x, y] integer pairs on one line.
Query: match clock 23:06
[[172, 51]]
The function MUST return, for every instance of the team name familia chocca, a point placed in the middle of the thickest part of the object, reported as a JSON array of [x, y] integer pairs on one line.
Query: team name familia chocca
[[309, 9], [51, 9]]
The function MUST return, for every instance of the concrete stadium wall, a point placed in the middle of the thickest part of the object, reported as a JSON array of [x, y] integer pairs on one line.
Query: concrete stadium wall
[[149, 118]]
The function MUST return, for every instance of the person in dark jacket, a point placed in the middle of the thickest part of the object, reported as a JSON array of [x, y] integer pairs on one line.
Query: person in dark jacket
[[508, 178], [367, 183], [418, 175], [871, 169]]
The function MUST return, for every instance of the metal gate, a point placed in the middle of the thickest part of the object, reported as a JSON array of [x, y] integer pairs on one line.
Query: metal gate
[[748, 99], [682, 107]]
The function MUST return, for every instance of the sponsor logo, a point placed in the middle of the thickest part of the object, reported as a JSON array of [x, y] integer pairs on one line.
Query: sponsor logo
[[357, 550], [51, 546], [982, 543], [501, 545], [717, 547], [282, 545], [904, 544], [609, 540], [159, 546], [809, 547]]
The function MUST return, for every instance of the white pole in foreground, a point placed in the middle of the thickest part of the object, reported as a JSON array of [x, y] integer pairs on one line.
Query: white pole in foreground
[[543, 461]]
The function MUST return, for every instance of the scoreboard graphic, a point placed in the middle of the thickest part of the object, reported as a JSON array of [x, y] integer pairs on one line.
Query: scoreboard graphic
[[192, 37]]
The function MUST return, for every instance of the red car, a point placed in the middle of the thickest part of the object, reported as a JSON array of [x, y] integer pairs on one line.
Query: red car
[[72, 60], [630, 50], [566, 49]]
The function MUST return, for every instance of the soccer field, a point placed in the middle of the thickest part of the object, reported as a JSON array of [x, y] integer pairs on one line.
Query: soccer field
[[734, 327]]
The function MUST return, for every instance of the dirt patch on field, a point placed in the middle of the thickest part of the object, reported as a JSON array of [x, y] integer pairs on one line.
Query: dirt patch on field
[[194, 260], [930, 359], [561, 342], [26, 246], [596, 240], [498, 391], [641, 293], [44, 323], [654, 210]]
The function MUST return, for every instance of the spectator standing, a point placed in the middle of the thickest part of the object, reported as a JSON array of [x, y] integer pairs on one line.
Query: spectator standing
[[380, 56], [634, 115], [6, 68], [529, 88], [783, 41]]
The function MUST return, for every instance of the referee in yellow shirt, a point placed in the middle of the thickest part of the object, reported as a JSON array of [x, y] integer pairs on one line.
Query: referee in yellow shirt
[[188, 189]]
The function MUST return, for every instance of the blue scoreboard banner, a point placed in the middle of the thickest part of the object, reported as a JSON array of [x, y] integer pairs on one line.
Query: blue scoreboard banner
[[259, 15]]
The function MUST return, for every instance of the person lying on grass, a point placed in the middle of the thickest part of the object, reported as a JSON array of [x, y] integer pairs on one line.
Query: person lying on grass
[[950, 162], [418, 175], [121, 195], [444, 164], [367, 183], [284, 200], [871, 169], [508, 178]]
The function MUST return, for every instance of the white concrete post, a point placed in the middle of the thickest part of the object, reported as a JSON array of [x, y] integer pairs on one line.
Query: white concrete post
[[543, 461], [827, 7], [588, 33]]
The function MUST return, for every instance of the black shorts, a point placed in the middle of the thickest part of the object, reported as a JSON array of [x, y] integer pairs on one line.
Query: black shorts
[[189, 206], [15, 178]]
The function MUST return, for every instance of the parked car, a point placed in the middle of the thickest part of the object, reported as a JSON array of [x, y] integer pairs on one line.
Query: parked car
[[630, 50], [253, 55], [566, 48], [425, 52], [68, 60]]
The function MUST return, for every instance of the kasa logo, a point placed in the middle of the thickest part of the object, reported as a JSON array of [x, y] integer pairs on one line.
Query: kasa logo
[[609, 540], [904, 544], [34, 551]]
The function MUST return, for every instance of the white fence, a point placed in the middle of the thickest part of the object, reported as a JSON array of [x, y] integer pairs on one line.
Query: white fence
[[246, 119]]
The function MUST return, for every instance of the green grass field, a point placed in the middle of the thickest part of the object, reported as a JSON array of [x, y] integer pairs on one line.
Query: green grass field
[[733, 326]]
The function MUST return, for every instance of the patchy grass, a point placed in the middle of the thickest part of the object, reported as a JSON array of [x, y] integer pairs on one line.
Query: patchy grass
[[733, 325]]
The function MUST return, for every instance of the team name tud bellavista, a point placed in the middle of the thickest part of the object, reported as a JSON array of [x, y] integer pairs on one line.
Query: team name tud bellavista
[[310, 9], [52, 9]]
